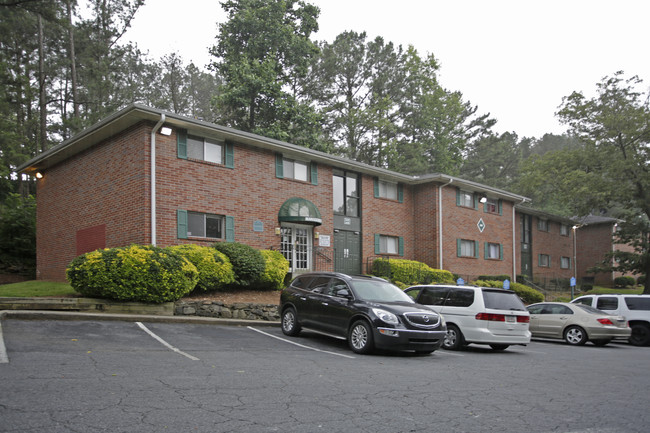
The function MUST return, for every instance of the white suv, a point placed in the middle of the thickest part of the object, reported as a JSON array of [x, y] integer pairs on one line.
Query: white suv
[[635, 309], [479, 315]]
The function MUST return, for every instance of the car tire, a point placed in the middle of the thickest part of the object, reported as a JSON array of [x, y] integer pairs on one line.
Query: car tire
[[640, 335], [575, 336], [454, 338], [360, 337], [601, 342], [499, 347], [290, 324]]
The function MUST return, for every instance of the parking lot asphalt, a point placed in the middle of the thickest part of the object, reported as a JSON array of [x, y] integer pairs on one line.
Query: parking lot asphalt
[[132, 374]]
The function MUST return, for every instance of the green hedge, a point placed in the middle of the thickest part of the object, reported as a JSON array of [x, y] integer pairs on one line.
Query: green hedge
[[134, 273], [275, 271], [624, 281], [215, 270], [247, 262], [410, 272], [526, 293]]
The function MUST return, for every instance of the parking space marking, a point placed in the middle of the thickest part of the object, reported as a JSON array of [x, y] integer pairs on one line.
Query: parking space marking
[[4, 359], [298, 344], [166, 344]]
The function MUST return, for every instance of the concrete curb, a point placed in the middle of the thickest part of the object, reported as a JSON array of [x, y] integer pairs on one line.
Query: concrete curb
[[75, 315], [87, 305]]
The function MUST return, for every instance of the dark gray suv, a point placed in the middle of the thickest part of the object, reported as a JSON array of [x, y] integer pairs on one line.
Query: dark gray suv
[[367, 311]]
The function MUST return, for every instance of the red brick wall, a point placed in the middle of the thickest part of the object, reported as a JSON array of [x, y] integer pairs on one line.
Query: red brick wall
[[106, 184], [425, 222], [462, 223], [593, 242]]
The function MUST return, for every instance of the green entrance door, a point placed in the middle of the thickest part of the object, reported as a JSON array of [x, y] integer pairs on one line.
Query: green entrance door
[[347, 252]]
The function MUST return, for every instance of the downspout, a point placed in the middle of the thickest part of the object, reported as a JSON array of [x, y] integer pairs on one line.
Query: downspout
[[153, 178], [514, 242], [440, 187]]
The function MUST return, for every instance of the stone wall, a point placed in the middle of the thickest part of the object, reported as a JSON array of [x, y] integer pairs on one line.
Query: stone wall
[[218, 309]]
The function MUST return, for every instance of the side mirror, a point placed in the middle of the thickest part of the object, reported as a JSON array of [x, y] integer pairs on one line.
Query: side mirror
[[343, 293]]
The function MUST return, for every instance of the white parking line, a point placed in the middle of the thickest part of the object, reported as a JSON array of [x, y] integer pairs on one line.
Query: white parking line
[[298, 344], [166, 344], [4, 359]]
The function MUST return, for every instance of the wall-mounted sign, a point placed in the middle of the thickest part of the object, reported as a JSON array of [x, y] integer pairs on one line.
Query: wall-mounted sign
[[324, 240], [258, 226]]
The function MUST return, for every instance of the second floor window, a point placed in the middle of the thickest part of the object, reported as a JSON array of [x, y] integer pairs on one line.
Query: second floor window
[[204, 149]]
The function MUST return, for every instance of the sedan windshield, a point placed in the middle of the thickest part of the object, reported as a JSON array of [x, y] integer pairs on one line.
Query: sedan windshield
[[379, 291]]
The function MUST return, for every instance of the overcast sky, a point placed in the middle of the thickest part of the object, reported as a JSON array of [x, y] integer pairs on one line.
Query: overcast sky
[[515, 59]]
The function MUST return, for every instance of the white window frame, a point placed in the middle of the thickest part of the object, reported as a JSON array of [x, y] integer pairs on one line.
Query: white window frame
[[388, 244], [492, 205], [388, 190], [565, 262], [542, 224], [466, 246], [211, 151], [298, 170], [199, 222], [466, 199], [544, 261], [491, 249], [564, 230]]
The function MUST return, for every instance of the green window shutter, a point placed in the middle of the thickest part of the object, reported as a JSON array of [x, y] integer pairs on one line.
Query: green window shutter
[[230, 229], [458, 241], [376, 186], [457, 196], [377, 245], [475, 200], [485, 207], [486, 250], [500, 252], [539, 260], [230, 155], [400, 193], [314, 173], [476, 247], [279, 166], [181, 223], [500, 207], [181, 143], [570, 263], [401, 246]]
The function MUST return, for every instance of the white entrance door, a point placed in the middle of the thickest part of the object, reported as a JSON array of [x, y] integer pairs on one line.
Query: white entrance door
[[296, 246]]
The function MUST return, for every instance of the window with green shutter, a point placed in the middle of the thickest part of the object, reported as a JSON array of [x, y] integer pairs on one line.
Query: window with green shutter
[[204, 225], [389, 244]]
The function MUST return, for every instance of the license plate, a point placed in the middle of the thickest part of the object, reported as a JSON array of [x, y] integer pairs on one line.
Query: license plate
[[511, 319]]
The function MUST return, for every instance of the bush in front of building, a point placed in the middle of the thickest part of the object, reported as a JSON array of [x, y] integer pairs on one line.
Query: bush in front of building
[[215, 269], [493, 277], [624, 281], [247, 263], [133, 273], [410, 272], [641, 280], [526, 293], [275, 271]]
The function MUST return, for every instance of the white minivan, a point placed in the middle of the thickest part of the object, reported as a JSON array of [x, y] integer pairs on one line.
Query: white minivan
[[480, 315]]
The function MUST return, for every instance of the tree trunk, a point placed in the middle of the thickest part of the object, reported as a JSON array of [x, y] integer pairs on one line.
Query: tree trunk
[[73, 62], [42, 103]]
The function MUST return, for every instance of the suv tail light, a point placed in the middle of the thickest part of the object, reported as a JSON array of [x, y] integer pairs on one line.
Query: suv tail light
[[605, 321], [500, 317]]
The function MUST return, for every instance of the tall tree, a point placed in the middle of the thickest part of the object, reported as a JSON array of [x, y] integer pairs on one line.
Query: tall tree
[[612, 167], [263, 51]]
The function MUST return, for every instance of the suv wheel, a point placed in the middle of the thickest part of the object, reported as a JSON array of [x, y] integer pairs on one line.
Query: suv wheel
[[640, 335], [575, 335], [454, 338], [360, 337], [290, 324]]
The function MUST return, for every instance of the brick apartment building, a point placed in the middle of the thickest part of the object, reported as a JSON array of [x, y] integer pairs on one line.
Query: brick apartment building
[[204, 183]]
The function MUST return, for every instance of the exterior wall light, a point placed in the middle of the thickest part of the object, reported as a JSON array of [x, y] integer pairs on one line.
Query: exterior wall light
[[39, 175], [166, 130], [483, 199]]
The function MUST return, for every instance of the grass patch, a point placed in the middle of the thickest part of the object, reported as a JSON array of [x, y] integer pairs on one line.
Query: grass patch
[[31, 289]]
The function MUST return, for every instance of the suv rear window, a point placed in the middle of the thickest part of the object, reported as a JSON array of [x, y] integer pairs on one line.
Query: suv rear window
[[460, 298], [608, 303], [638, 303], [498, 300]]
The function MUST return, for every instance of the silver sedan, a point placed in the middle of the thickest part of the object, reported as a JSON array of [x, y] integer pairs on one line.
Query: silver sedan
[[576, 323]]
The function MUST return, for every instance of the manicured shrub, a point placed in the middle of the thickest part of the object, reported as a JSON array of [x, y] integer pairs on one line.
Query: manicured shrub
[[641, 280], [494, 277], [624, 281], [133, 273], [526, 293], [215, 270], [275, 271], [247, 262], [410, 272]]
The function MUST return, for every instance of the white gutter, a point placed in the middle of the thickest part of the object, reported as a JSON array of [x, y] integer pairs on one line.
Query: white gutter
[[153, 178], [440, 222]]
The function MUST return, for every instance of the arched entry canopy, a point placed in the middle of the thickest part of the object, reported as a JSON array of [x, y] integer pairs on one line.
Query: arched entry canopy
[[301, 211]]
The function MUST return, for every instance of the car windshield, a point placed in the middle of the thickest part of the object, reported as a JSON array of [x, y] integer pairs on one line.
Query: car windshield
[[590, 309], [379, 291], [502, 300]]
